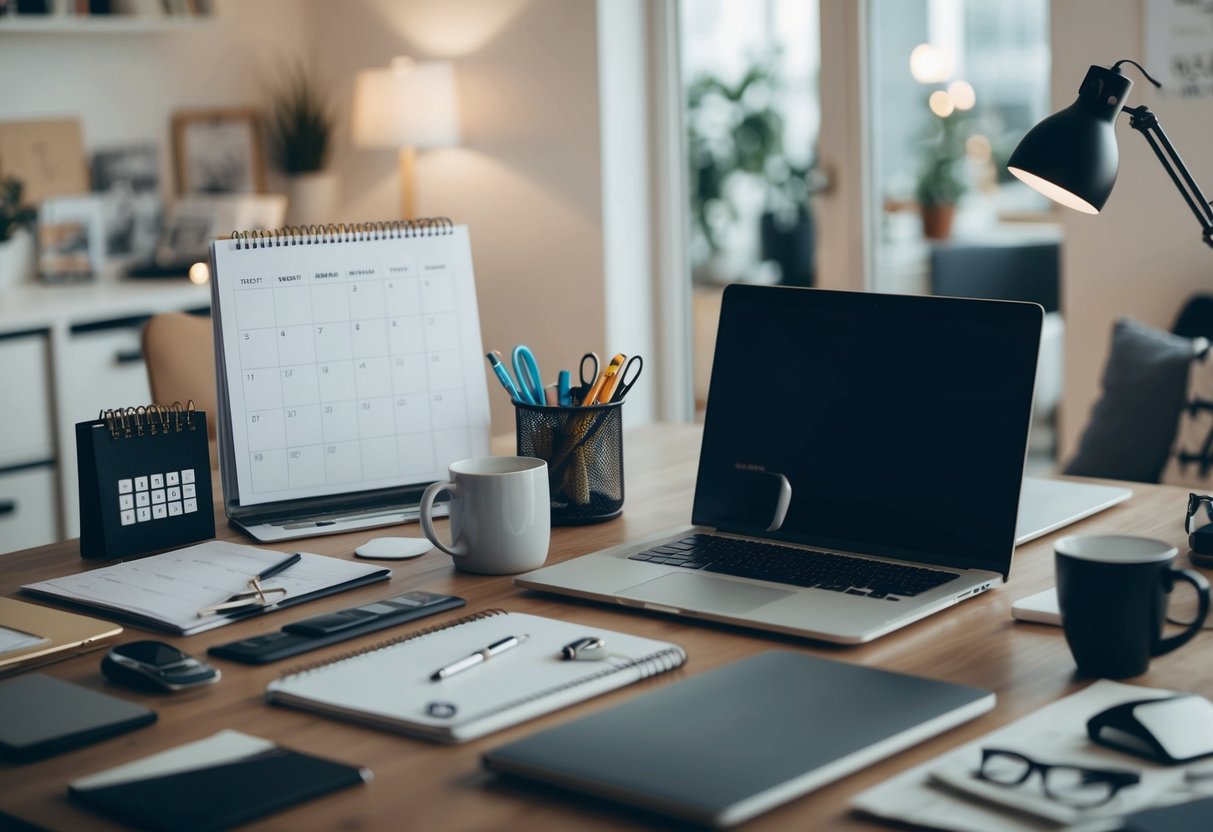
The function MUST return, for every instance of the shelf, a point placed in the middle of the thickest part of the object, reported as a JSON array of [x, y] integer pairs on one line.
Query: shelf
[[99, 24]]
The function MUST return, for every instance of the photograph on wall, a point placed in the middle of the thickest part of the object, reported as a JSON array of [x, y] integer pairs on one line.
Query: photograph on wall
[[218, 152], [128, 180], [46, 155], [71, 239]]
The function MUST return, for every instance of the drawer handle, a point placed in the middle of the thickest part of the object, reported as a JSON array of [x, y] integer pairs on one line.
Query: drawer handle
[[8, 507], [128, 356]]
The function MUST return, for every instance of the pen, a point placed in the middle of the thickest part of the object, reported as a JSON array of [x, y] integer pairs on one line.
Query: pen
[[476, 658], [279, 567], [564, 395], [503, 376], [605, 388], [256, 595]]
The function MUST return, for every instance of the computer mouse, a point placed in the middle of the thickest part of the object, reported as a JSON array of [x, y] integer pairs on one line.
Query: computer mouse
[[1172, 729], [394, 548]]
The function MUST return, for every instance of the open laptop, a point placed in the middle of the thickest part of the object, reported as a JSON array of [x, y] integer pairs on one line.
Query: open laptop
[[860, 468]]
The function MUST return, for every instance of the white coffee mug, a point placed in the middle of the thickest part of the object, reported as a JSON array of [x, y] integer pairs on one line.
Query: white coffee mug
[[501, 520]]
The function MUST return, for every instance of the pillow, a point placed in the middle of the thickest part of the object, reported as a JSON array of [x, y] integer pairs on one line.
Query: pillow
[[1133, 424], [1190, 462]]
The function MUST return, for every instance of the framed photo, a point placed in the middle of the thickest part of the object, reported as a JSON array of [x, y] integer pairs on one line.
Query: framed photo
[[47, 156], [71, 238], [218, 152], [128, 180], [194, 221]]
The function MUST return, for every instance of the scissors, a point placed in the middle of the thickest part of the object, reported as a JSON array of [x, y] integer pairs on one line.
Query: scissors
[[526, 370], [588, 380], [622, 383]]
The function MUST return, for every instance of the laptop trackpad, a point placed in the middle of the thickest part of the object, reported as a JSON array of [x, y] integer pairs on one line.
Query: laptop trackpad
[[699, 592]]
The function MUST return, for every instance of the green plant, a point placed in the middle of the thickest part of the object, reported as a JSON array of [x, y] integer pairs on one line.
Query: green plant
[[300, 124], [943, 151], [13, 215], [734, 129]]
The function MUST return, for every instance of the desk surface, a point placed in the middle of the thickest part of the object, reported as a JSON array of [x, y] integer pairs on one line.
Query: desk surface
[[423, 785]]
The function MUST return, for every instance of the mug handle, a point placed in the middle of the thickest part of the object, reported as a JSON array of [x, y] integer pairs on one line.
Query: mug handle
[[1201, 586], [427, 520]]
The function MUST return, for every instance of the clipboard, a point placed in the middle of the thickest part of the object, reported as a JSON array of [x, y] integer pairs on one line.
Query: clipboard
[[57, 632]]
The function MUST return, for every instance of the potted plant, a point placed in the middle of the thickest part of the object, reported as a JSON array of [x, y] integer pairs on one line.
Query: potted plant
[[16, 225], [734, 131], [300, 124], [940, 184]]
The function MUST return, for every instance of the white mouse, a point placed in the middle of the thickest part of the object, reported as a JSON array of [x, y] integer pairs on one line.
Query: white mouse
[[394, 548]]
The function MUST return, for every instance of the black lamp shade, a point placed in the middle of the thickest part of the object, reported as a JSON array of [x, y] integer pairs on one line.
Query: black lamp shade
[[1072, 157]]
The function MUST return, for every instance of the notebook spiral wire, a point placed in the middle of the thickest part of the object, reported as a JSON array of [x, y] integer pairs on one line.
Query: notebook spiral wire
[[151, 419], [302, 235]]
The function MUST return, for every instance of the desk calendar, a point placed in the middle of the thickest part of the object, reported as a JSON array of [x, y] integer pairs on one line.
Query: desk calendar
[[348, 359]]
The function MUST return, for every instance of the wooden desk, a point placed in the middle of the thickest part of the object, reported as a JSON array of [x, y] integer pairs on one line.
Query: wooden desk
[[426, 786]]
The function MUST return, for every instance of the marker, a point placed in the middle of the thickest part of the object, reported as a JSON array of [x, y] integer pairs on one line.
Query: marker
[[564, 395], [605, 388], [503, 376]]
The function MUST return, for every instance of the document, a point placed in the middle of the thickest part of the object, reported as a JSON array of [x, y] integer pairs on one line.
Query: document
[[167, 591]]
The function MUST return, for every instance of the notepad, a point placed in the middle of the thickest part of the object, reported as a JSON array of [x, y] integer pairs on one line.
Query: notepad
[[389, 686], [165, 592], [222, 781]]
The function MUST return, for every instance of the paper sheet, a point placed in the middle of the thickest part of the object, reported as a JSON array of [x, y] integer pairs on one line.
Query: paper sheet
[[13, 640], [1056, 733]]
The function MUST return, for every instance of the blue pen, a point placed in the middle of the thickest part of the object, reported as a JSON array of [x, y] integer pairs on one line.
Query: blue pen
[[503, 376], [564, 395]]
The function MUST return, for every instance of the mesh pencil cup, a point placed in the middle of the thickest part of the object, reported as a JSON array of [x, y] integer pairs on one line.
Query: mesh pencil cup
[[583, 447]]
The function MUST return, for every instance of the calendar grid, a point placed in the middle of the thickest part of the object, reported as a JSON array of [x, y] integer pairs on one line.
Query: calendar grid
[[353, 370]]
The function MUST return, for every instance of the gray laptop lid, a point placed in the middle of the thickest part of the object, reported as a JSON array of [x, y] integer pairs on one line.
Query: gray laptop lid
[[899, 424]]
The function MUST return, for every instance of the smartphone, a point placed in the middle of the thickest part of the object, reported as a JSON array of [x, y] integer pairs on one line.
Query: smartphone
[[155, 665]]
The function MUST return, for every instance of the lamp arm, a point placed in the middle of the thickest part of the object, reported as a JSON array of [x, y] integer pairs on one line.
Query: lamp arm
[[1145, 122]]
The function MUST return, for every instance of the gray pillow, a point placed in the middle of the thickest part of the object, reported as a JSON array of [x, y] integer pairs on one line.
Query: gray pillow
[[1133, 424]]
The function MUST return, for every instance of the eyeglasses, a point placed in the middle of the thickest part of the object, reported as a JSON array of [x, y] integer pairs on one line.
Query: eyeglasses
[[1194, 503], [1075, 786]]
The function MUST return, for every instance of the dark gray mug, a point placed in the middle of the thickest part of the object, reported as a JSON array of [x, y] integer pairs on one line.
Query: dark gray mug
[[1112, 591]]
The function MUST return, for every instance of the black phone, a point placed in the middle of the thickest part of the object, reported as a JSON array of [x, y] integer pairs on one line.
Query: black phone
[[155, 665]]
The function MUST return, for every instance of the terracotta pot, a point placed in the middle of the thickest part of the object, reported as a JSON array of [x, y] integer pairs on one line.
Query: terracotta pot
[[937, 220]]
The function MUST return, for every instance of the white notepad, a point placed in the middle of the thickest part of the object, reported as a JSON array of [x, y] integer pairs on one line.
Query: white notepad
[[166, 591], [389, 686]]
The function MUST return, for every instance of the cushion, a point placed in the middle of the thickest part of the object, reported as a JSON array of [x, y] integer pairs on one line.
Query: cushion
[[1190, 462], [1133, 424]]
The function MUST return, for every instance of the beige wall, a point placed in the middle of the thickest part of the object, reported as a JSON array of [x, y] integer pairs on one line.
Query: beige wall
[[526, 178], [1142, 256]]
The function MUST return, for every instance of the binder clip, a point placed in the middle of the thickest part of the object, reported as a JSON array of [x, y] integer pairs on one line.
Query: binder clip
[[588, 649]]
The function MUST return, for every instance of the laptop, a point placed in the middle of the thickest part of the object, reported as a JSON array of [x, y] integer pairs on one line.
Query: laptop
[[860, 468], [1048, 505]]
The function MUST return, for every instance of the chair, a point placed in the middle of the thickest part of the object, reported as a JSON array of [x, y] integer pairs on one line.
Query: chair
[[180, 358]]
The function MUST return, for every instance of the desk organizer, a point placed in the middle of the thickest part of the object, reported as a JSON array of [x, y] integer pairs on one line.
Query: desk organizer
[[583, 447]]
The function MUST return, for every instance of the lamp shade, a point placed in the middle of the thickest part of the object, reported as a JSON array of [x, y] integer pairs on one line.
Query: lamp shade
[[409, 104], [1072, 157]]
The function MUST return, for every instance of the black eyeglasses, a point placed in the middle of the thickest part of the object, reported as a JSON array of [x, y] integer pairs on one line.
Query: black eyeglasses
[[1194, 503], [1075, 786]]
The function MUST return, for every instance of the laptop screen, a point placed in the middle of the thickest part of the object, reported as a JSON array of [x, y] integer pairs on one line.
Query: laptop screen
[[900, 423]]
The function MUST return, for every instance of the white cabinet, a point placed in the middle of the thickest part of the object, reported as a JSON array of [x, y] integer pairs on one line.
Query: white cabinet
[[66, 353]]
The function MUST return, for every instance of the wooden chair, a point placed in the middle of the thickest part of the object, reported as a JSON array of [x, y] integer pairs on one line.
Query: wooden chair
[[180, 358]]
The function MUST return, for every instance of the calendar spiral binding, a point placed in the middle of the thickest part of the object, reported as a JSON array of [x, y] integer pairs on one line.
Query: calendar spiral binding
[[391, 642], [125, 422], [302, 235]]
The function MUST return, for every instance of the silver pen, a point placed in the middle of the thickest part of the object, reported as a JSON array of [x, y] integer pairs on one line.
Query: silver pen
[[476, 658]]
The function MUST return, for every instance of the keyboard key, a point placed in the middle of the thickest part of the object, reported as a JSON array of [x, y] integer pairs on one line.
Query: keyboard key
[[188, 490], [141, 483], [143, 499], [157, 480], [172, 493], [172, 478], [128, 517], [187, 475], [160, 511], [190, 506], [143, 514], [158, 496], [126, 486], [126, 501], [174, 509]]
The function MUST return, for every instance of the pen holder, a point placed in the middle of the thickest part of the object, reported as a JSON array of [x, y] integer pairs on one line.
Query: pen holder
[[583, 447]]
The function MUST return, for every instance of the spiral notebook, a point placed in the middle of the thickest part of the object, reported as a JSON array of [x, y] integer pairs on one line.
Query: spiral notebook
[[350, 372], [389, 686], [144, 480]]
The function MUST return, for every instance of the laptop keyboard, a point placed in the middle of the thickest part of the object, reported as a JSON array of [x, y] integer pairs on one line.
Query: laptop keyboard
[[799, 567]]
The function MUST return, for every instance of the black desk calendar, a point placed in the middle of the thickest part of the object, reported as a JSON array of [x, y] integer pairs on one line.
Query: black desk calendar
[[145, 480]]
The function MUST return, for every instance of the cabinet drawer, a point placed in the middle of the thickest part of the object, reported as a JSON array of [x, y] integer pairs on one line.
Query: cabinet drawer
[[26, 429], [103, 369], [28, 508]]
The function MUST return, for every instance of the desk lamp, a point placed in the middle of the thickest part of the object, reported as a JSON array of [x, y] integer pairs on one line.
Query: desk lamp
[[406, 106], [1072, 158]]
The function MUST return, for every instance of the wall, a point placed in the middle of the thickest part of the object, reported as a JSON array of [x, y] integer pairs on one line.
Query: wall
[[1142, 256], [526, 177]]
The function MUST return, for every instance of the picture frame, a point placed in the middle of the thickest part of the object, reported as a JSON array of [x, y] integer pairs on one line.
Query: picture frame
[[71, 238], [218, 152], [128, 179], [193, 221]]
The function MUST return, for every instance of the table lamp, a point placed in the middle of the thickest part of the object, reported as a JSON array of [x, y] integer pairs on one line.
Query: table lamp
[[1072, 158], [406, 106]]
